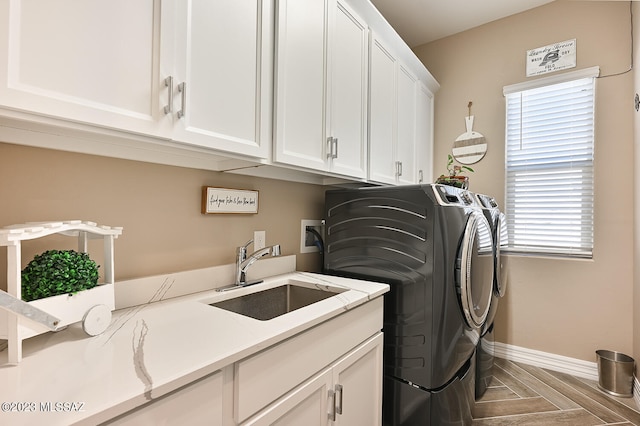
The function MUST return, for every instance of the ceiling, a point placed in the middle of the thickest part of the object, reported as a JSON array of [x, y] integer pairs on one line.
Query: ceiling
[[422, 21]]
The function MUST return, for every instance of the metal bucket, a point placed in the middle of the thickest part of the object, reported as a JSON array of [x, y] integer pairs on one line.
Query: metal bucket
[[615, 373]]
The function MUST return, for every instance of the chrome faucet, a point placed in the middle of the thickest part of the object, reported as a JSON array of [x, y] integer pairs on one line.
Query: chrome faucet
[[243, 262]]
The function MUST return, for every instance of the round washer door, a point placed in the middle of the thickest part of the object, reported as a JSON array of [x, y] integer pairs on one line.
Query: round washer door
[[476, 269], [500, 230]]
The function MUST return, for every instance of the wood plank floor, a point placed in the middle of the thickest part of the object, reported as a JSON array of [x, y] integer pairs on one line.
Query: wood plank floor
[[523, 395]]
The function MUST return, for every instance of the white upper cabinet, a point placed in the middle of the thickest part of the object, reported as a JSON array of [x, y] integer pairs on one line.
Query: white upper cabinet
[[218, 57], [308, 88], [321, 87], [348, 84], [91, 62], [196, 72], [399, 138], [300, 83], [424, 135], [392, 151], [383, 115], [406, 136]]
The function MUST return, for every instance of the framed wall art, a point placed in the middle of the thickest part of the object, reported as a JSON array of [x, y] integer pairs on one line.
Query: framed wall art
[[225, 200]]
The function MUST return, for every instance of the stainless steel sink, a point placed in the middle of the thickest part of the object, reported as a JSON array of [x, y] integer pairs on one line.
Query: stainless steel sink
[[268, 304]]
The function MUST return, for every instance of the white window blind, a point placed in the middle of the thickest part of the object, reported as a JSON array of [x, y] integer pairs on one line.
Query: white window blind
[[549, 168]]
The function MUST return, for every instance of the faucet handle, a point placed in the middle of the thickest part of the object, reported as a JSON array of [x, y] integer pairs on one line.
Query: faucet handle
[[242, 251], [275, 250]]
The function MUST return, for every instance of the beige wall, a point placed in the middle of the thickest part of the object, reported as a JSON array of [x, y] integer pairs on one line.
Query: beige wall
[[158, 206], [565, 307]]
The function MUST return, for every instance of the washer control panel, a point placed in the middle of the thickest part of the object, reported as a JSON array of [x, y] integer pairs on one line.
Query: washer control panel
[[450, 195]]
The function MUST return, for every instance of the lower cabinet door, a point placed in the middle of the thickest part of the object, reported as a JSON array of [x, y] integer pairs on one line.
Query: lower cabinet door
[[348, 393], [357, 382], [306, 405]]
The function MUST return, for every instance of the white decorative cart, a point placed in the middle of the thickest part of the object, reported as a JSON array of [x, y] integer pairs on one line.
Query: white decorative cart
[[20, 320]]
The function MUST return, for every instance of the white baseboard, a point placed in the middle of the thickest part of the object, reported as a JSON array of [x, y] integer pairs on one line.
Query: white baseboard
[[575, 367], [563, 364]]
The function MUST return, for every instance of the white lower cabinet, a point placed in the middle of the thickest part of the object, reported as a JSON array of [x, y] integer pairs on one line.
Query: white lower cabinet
[[198, 403], [357, 387], [306, 405], [333, 370], [349, 392]]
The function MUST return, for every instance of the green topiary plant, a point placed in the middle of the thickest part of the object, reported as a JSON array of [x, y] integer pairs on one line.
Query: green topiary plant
[[58, 272]]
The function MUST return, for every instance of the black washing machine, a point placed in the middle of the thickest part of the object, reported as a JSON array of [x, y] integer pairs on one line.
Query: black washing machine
[[485, 350], [432, 245]]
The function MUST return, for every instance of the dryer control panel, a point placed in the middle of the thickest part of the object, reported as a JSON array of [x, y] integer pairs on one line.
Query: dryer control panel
[[450, 195]]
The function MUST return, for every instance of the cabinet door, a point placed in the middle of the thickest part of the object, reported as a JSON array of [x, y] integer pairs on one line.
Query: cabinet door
[[305, 405], [94, 62], [382, 120], [358, 385], [222, 75], [424, 135], [347, 112], [406, 142], [300, 138], [197, 403]]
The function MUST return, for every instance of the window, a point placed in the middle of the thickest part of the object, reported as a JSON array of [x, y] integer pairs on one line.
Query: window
[[549, 165]]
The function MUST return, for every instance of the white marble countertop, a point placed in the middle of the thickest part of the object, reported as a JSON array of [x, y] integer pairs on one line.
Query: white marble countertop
[[151, 349]]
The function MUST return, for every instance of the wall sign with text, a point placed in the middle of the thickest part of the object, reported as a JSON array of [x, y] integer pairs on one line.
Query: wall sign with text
[[554, 57], [223, 200]]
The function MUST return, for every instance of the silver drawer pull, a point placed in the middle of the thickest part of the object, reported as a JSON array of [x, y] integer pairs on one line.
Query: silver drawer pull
[[332, 405], [182, 88], [338, 399], [168, 82]]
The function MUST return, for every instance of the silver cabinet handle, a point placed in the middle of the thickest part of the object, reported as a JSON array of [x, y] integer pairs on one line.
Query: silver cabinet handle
[[332, 405], [182, 88], [168, 82], [420, 176], [332, 146], [398, 168], [338, 393]]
